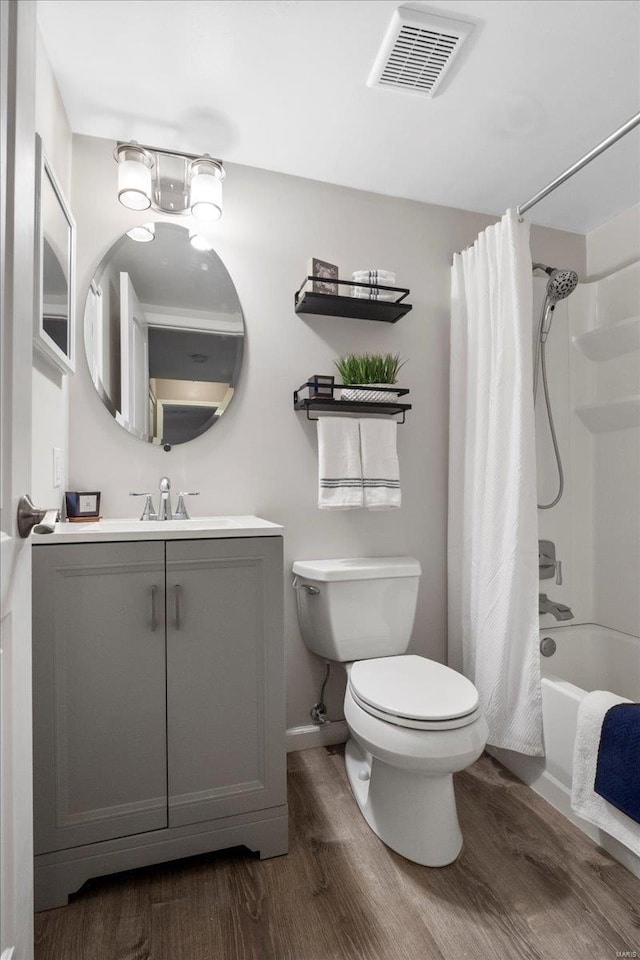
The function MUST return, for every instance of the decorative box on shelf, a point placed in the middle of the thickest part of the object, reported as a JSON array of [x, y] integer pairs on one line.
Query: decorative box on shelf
[[304, 398], [82, 507], [386, 303]]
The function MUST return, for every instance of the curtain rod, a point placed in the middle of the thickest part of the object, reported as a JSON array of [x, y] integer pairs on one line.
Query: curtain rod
[[582, 162]]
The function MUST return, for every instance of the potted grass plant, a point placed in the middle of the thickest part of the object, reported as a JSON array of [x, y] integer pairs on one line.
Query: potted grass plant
[[371, 370]]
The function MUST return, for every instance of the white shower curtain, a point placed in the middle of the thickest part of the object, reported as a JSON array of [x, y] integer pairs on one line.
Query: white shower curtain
[[492, 555]]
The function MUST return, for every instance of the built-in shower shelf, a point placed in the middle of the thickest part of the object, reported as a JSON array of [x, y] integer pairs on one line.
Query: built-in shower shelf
[[614, 415], [605, 343]]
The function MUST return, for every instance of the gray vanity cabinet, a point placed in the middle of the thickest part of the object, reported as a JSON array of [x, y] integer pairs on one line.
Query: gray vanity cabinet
[[223, 735], [99, 692], [158, 704]]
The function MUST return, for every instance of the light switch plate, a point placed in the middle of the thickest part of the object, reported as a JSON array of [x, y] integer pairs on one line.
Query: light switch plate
[[57, 475]]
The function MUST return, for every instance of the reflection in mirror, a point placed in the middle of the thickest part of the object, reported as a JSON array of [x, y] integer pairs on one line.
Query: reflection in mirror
[[55, 297], [164, 335], [53, 333]]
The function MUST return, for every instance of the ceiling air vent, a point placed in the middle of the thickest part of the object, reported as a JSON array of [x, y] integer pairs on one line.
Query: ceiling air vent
[[417, 51]]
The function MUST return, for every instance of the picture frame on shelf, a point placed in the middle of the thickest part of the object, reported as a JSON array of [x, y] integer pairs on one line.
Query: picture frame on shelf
[[326, 272], [321, 385]]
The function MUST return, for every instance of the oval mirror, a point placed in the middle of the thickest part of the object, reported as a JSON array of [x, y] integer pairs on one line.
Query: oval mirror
[[163, 333]]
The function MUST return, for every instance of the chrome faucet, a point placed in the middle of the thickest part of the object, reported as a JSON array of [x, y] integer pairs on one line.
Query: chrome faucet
[[164, 509], [559, 610]]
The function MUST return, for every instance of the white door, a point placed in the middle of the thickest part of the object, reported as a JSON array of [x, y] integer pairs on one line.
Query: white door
[[134, 359], [17, 197]]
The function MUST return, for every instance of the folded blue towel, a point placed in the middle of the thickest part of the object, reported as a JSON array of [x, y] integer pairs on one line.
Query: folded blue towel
[[618, 770]]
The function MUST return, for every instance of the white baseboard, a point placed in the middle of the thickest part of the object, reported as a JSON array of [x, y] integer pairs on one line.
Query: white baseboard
[[317, 735]]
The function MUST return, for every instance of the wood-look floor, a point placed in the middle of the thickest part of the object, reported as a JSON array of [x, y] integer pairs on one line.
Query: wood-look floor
[[528, 886]]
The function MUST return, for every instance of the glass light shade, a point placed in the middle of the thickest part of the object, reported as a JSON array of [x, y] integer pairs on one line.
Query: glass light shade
[[134, 178], [198, 242], [143, 233], [206, 190]]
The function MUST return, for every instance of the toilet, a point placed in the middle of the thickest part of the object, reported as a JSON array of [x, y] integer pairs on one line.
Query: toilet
[[413, 722]]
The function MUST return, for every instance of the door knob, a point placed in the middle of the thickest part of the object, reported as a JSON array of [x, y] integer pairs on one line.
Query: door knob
[[29, 516]]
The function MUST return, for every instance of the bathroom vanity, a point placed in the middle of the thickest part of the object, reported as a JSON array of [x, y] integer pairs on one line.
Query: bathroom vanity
[[158, 667]]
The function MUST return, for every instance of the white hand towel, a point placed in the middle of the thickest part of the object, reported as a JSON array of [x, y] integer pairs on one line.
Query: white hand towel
[[340, 467], [584, 800], [380, 467]]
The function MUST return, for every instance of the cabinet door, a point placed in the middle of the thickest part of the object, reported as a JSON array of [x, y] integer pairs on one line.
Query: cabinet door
[[99, 692], [225, 677]]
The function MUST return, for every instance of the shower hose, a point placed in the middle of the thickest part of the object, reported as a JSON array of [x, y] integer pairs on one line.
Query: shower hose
[[541, 361]]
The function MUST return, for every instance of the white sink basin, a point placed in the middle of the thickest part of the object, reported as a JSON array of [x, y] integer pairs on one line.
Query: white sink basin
[[197, 528]]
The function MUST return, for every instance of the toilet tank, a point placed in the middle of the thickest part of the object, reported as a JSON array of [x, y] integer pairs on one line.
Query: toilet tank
[[357, 609]]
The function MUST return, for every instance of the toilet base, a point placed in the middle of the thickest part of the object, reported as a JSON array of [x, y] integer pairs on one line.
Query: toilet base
[[410, 812]]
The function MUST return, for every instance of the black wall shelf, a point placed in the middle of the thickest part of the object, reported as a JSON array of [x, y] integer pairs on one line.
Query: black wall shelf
[[328, 404], [355, 308]]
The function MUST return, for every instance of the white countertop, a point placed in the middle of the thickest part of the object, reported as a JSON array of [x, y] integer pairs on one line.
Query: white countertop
[[199, 528]]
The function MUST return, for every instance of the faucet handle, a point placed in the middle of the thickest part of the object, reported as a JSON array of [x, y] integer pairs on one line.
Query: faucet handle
[[181, 509], [148, 512]]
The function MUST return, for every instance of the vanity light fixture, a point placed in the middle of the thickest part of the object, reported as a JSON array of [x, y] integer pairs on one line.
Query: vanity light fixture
[[143, 233], [176, 183]]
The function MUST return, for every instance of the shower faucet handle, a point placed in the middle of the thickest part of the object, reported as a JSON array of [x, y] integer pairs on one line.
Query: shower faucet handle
[[547, 562], [559, 573]]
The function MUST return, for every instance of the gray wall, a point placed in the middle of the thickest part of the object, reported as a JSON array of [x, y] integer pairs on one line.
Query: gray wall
[[262, 457]]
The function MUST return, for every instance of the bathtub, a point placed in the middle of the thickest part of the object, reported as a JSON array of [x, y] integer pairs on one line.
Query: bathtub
[[588, 657]]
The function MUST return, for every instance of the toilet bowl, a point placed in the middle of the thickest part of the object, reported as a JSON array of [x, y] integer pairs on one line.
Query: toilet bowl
[[400, 767], [413, 722]]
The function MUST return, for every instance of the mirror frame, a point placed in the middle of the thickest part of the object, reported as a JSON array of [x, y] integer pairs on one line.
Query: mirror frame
[[66, 362]]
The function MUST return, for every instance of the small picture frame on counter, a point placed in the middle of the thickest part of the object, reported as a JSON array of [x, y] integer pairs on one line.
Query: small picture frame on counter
[[81, 505], [321, 385], [324, 273]]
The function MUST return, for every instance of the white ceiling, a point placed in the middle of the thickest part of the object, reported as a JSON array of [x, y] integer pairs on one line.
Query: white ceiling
[[281, 84]]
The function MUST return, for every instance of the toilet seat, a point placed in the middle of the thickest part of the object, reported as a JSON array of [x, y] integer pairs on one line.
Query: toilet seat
[[412, 691]]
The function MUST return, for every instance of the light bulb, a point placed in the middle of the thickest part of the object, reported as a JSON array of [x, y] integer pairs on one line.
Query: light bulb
[[206, 189], [143, 233], [198, 242], [134, 176]]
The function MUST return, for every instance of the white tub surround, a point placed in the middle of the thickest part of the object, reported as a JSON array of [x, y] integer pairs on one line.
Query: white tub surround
[[492, 561], [593, 362], [588, 657], [201, 528]]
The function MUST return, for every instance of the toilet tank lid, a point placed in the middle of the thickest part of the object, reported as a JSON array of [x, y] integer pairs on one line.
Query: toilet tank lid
[[358, 568]]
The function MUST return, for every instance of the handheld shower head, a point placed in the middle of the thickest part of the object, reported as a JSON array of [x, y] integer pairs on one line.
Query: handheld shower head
[[561, 284]]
